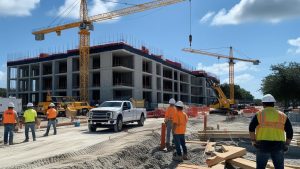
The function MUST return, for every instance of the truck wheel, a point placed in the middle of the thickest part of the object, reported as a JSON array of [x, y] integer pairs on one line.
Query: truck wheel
[[118, 126], [92, 128], [141, 121]]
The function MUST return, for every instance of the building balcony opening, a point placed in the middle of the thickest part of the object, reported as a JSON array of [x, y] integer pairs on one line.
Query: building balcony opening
[[196, 81], [62, 67], [158, 83], [158, 69], [23, 85], [175, 75], [184, 98], [47, 68], [13, 73], [167, 73], [147, 81], [168, 86], [75, 81], [75, 64], [158, 95], [184, 78], [24, 71], [122, 79], [12, 85], [96, 79], [62, 82], [167, 97], [175, 87], [35, 70], [184, 88], [147, 66], [96, 62], [119, 59], [35, 85], [122, 94], [196, 91], [95, 97], [47, 83]]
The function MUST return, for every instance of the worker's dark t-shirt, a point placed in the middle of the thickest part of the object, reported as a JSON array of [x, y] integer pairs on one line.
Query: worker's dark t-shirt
[[269, 146]]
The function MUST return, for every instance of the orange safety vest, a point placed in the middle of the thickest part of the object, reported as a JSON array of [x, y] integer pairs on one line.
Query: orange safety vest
[[180, 119], [9, 117], [51, 113], [270, 125], [170, 113]]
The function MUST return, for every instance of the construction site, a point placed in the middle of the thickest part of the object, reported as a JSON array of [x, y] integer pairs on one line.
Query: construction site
[[112, 101]]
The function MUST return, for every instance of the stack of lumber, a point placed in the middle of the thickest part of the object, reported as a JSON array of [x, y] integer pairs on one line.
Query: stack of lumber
[[230, 154]]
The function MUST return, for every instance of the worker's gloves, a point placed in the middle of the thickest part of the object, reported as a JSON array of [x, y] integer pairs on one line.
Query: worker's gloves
[[286, 148]]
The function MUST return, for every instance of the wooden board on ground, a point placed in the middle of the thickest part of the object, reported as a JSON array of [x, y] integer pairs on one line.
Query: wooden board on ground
[[243, 163], [224, 135], [224, 131], [197, 142], [218, 166], [231, 152], [270, 165], [190, 166]]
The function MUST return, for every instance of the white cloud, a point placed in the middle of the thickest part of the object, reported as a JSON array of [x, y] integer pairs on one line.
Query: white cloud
[[295, 43], [95, 7], [17, 7], [272, 11], [223, 68], [241, 79], [207, 17]]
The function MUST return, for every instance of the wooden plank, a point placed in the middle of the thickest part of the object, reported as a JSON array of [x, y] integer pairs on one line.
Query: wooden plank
[[243, 163], [270, 165], [223, 131], [292, 166], [188, 166], [224, 135], [218, 166], [231, 152], [196, 142]]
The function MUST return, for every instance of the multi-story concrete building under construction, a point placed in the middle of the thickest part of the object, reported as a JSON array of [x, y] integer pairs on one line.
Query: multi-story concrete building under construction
[[117, 71]]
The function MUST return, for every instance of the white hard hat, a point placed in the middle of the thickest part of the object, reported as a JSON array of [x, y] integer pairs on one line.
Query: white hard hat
[[268, 98], [51, 105], [29, 105], [11, 105], [172, 101], [179, 104]]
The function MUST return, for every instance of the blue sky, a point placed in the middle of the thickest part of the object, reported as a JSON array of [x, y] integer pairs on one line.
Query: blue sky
[[266, 30]]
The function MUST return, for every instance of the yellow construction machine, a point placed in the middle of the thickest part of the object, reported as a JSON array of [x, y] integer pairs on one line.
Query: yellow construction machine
[[61, 102], [222, 104]]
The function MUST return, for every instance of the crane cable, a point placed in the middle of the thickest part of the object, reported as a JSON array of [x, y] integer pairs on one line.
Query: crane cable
[[190, 36]]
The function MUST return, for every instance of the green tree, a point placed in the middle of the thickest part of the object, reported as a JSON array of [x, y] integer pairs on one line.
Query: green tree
[[239, 93], [2, 92], [283, 83]]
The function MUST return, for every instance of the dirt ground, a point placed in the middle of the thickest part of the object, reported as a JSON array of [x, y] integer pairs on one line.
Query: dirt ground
[[135, 147]]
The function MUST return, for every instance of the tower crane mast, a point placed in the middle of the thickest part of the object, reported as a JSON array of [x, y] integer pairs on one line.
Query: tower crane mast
[[231, 59]]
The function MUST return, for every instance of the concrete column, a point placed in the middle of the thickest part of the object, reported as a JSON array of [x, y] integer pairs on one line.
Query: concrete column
[[189, 89], [54, 81], [153, 84], [106, 77], [18, 80], [205, 94], [40, 82], [69, 76], [29, 89], [8, 82], [138, 77]]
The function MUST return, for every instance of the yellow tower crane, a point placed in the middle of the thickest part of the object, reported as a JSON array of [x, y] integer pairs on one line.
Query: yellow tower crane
[[86, 25], [231, 65]]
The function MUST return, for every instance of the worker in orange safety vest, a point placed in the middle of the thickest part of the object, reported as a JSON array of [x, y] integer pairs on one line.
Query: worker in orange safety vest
[[171, 110], [51, 116], [9, 119], [180, 120]]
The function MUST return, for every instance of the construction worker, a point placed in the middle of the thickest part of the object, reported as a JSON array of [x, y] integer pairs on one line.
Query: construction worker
[[168, 120], [180, 120], [30, 119], [9, 119], [267, 131], [51, 116]]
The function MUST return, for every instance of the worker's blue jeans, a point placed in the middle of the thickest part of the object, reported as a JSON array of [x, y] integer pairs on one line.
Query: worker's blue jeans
[[53, 123], [32, 128], [263, 157], [169, 131], [8, 133], [180, 141]]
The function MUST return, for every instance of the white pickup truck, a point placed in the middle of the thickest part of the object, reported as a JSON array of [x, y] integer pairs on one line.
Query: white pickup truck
[[113, 114]]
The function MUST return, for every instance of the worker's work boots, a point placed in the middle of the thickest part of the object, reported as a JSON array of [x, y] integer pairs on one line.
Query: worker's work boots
[[169, 147], [177, 158], [185, 157]]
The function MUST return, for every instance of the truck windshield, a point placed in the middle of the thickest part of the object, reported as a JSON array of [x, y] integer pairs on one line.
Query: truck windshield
[[111, 104]]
